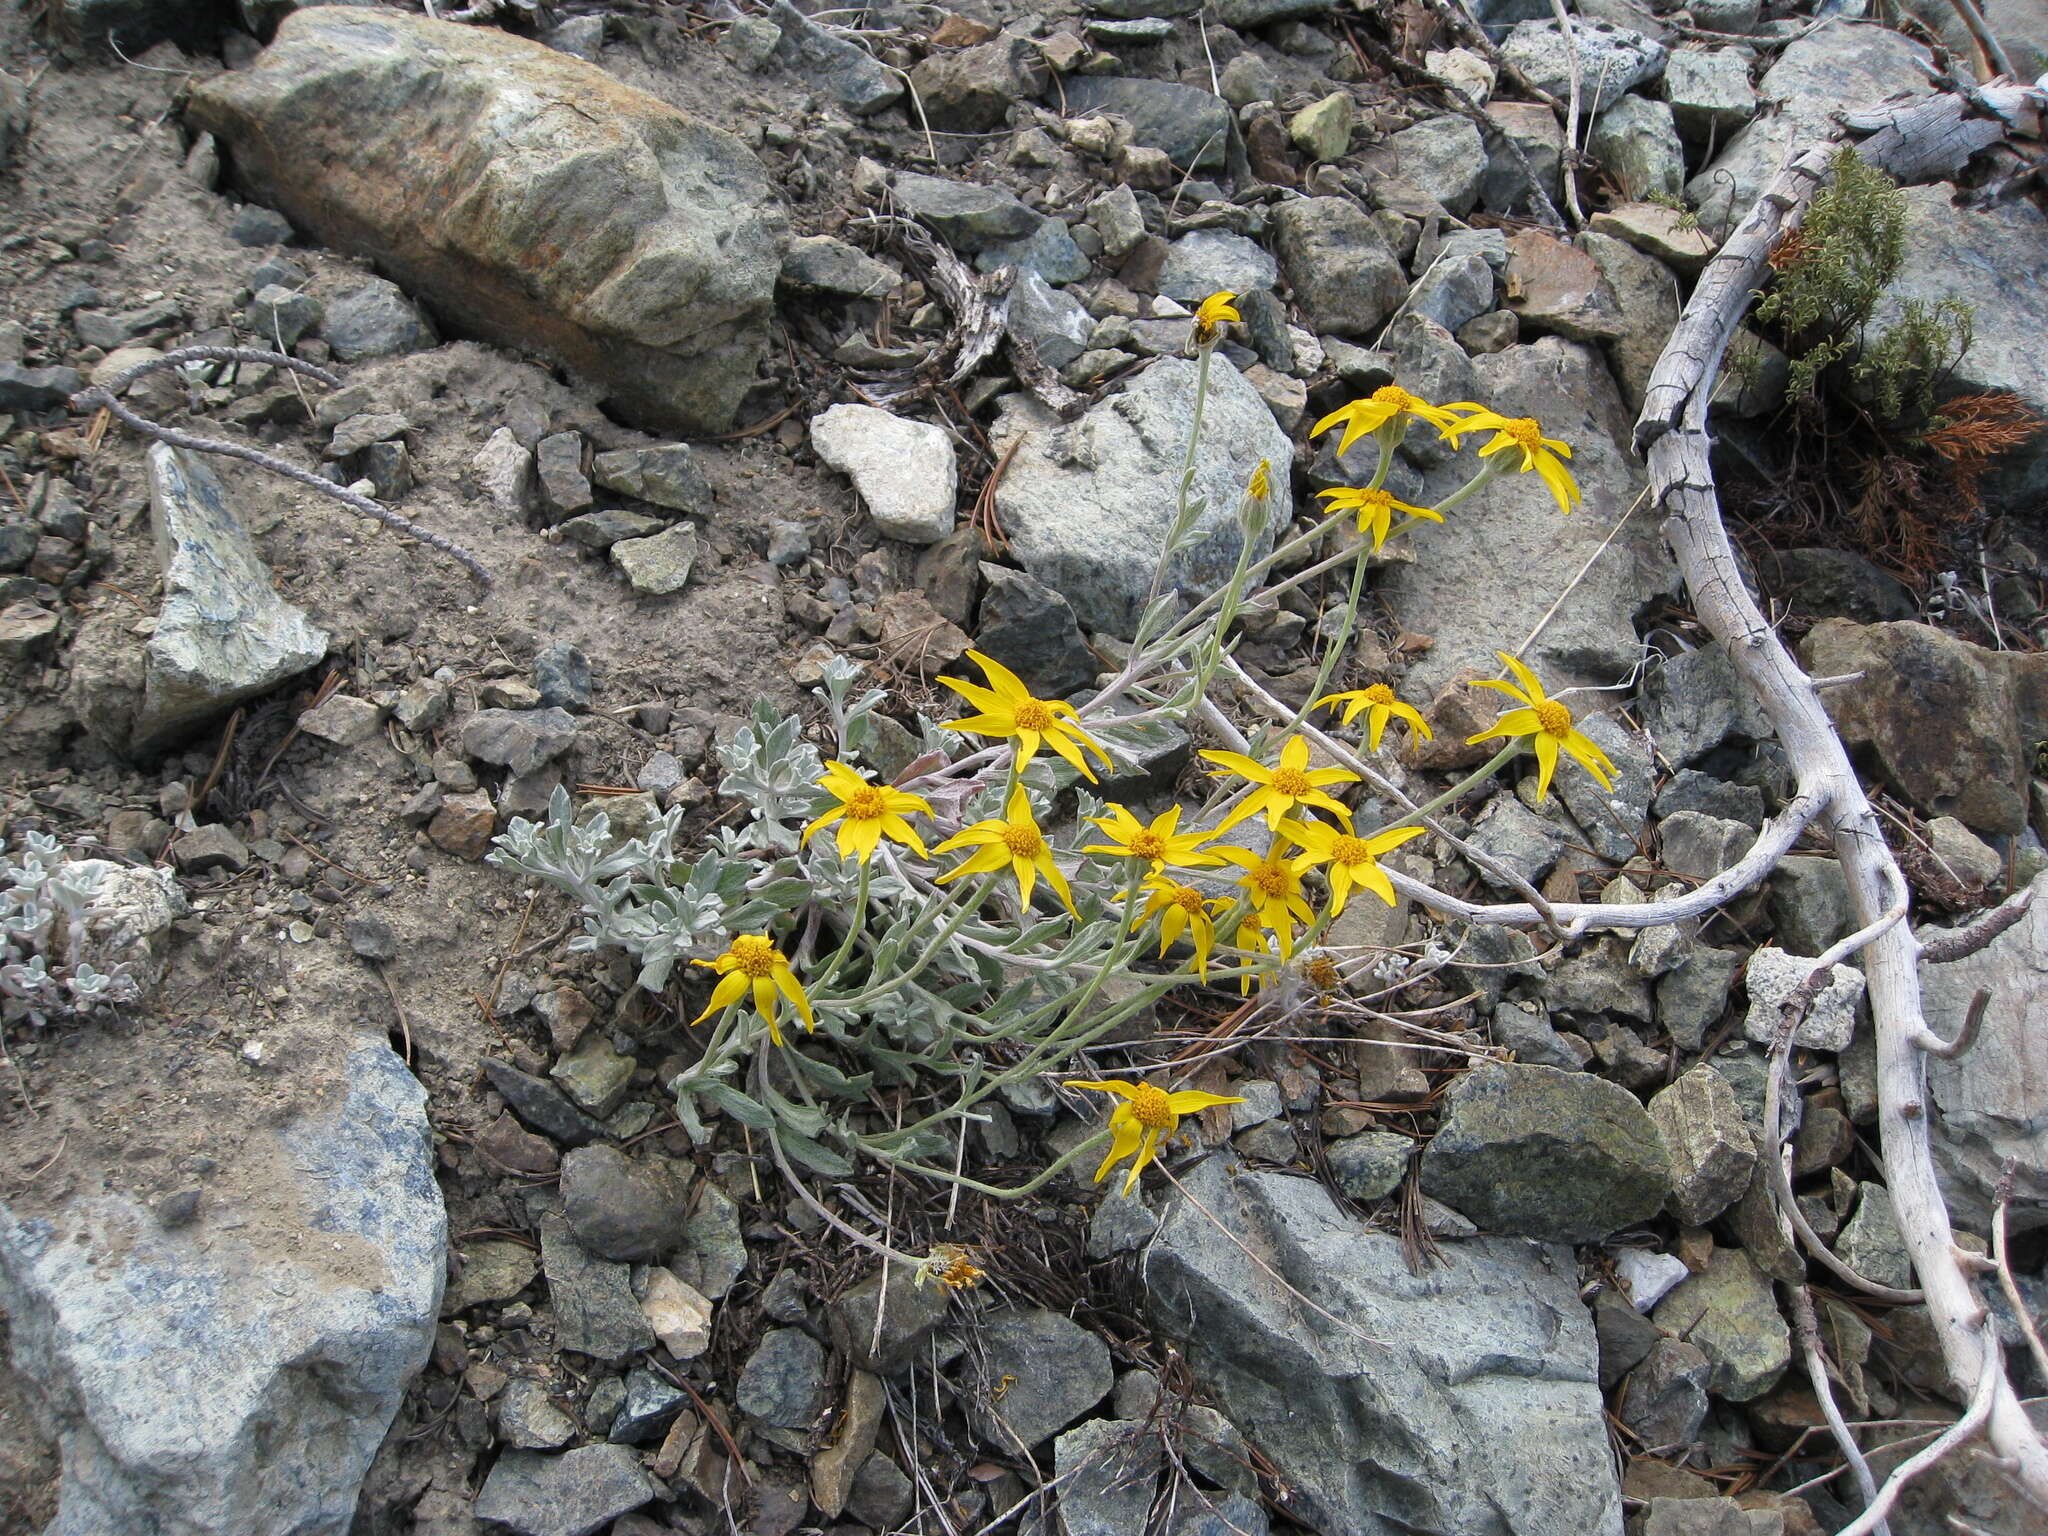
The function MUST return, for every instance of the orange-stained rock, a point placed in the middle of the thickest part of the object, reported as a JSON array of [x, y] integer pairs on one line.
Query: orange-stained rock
[[525, 195]]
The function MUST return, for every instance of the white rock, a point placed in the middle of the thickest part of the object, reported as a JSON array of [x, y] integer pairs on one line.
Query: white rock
[[904, 470], [506, 470], [1774, 974], [1650, 1276], [679, 1314]]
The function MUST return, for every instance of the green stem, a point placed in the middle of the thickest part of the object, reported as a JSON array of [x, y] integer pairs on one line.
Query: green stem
[[853, 926], [1483, 772], [1181, 516], [931, 952]]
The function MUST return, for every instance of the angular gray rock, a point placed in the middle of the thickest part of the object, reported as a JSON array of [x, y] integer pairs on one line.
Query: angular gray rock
[[965, 215], [1190, 124], [618, 1208], [1206, 261], [1453, 289], [1444, 157], [1665, 1400], [1727, 1310], [1829, 1024], [1055, 323], [1636, 142], [174, 1368], [844, 70], [573, 1494], [822, 264], [1696, 700], [518, 740], [783, 1382], [1030, 629], [1708, 1141], [1087, 504], [904, 470], [1988, 1101], [1814, 77], [1613, 60], [1345, 277], [528, 196], [1462, 1398], [1057, 1369], [375, 319], [1497, 564], [223, 633], [1871, 1243], [1709, 93], [592, 1298], [663, 474], [1109, 1475], [1562, 1157], [660, 563]]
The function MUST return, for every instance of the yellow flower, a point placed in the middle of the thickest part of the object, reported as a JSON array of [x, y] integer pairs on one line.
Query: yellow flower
[[1389, 407], [1352, 860], [1549, 723], [1292, 782], [1187, 911], [867, 813], [1157, 842], [950, 1266], [1252, 939], [1324, 974], [1380, 705], [1210, 316], [1375, 509], [1013, 840], [1146, 1117], [1272, 883], [1008, 709], [1545, 455], [752, 963], [1260, 486]]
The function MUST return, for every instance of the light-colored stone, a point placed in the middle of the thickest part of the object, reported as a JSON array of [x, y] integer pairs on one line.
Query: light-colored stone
[[223, 633], [1636, 140], [1709, 92], [1612, 60], [679, 1314], [1087, 503], [1829, 1024], [904, 470]]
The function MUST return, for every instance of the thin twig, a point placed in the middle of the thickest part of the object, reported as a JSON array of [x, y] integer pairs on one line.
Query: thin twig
[[1807, 1330], [103, 397]]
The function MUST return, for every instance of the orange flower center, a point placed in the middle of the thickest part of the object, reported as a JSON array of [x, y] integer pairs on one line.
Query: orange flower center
[[1268, 880], [1526, 433], [1034, 715], [1394, 395], [1147, 844], [754, 956], [1151, 1108], [1291, 781], [1188, 899], [1350, 850], [1556, 719], [1323, 974], [1023, 841], [1379, 693], [867, 804]]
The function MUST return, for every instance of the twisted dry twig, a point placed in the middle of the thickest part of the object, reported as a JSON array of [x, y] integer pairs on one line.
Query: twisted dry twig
[[103, 397]]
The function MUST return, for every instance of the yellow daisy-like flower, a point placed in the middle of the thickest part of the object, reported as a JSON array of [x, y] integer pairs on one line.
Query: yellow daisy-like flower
[[1548, 723], [1008, 709], [1146, 1117], [1186, 911], [1545, 455], [1375, 509], [1379, 705], [1012, 839], [1390, 407], [1352, 861], [867, 813], [1158, 842], [1289, 783], [1210, 316], [752, 964], [1272, 883]]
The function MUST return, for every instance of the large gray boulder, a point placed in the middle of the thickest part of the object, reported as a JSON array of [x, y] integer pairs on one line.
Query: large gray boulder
[[1087, 504], [526, 195], [1483, 579], [1991, 1102], [235, 1380], [1461, 1399], [1842, 67]]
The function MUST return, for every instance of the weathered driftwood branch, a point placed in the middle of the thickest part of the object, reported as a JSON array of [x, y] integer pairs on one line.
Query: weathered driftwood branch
[[1931, 138], [1672, 433], [105, 397]]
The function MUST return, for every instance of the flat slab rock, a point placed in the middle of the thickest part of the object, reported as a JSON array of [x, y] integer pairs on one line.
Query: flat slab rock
[[1463, 1398], [525, 194], [176, 1362]]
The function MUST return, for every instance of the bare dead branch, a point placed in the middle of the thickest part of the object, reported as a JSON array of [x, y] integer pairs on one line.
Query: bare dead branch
[[1966, 1037], [2001, 1262], [1946, 948], [103, 397], [1806, 1329]]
